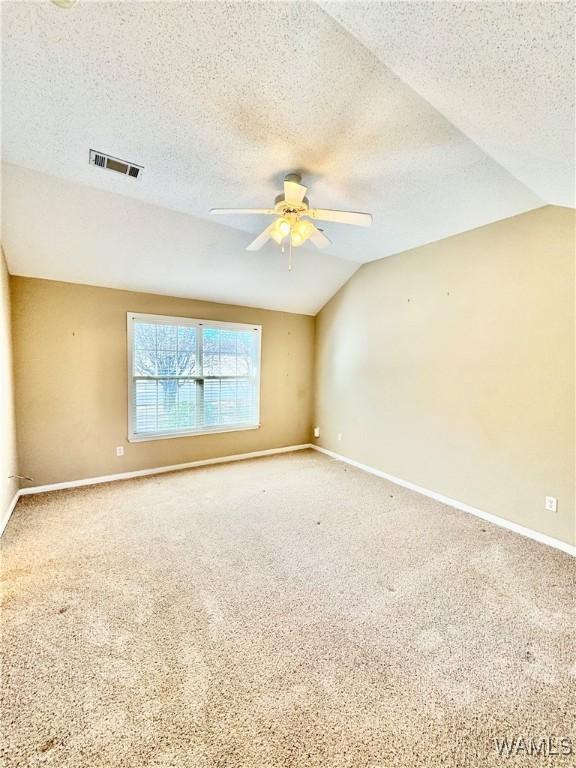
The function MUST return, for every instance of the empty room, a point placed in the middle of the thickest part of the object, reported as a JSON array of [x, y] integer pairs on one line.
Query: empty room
[[287, 384]]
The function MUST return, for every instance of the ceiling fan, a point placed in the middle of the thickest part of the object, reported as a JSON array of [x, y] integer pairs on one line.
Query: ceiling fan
[[291, 225]]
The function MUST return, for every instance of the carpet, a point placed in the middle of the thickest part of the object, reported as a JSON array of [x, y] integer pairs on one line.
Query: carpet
[[286, 611]]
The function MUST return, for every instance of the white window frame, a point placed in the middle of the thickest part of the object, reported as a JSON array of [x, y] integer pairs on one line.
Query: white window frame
[[134, 437]]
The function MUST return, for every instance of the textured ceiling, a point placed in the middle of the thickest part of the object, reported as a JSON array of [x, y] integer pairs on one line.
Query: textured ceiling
[[432, 116], [60, 230], [503, 72]]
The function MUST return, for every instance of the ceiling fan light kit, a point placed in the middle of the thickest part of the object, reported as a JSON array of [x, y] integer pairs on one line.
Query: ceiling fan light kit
[[292, 225]]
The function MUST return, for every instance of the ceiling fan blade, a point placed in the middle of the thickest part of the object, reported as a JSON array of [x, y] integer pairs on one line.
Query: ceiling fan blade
[[263, 211], [341, 217], [262, 239], [319, 238], [294, 192]]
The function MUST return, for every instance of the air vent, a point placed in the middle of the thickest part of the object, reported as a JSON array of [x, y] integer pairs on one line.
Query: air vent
[[115, 164]]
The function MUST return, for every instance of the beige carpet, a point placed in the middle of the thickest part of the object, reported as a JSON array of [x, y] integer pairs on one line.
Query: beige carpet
[[286, 611]]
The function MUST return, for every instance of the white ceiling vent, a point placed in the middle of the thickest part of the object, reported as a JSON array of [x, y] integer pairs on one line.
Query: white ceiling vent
[[115, 164]]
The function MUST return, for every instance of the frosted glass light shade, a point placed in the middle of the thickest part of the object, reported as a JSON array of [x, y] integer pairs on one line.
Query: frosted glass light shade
[[64, 3]]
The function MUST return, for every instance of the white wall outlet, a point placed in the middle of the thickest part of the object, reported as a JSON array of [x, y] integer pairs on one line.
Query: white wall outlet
[[339, 437], [551, 504], [316, 431], [120, 450]]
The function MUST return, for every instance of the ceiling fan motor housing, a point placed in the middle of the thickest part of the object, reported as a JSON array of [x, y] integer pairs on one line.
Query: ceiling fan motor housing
[[283, 208]]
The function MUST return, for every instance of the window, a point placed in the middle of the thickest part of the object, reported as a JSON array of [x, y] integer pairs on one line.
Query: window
[[189, 377]]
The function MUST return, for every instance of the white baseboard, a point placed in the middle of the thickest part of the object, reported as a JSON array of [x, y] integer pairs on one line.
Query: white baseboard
[[528, 532], [141, 473], [6, 516], [500, 521], [158, 470]]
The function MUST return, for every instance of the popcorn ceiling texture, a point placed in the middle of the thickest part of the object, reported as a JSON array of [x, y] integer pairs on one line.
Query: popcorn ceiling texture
[[97, 237], [435, 117], [502, 72], [280, 612]]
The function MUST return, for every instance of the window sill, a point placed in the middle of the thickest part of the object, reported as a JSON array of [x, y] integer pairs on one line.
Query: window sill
[[173, 435]]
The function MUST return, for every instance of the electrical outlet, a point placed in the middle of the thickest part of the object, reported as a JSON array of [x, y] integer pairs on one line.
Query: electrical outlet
[[120, 450], [339, 437], [551, 504], [316, 431]]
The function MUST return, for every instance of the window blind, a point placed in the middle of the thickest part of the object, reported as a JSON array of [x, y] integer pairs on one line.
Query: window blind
[[191, 376]]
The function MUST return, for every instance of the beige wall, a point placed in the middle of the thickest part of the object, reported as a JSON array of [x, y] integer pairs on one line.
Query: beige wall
[[8, 459], [71, 380], [452, 366]]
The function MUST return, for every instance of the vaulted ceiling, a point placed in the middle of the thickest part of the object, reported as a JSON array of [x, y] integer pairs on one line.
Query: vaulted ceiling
[[436, 117]]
